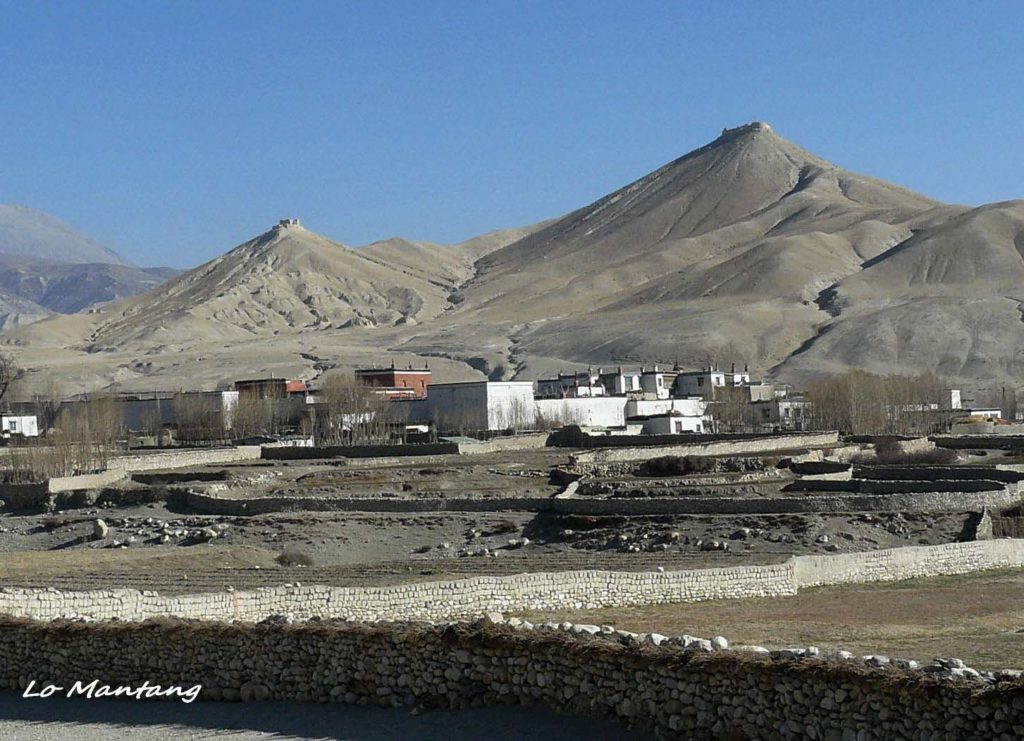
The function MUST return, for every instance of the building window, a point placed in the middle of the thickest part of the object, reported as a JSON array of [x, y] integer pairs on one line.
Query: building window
[[700, 381]]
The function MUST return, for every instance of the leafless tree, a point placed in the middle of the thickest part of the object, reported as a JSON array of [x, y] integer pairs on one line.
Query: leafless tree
[[9, 373]]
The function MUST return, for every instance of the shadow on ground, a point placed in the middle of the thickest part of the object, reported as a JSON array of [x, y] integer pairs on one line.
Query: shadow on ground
[[92, 720]]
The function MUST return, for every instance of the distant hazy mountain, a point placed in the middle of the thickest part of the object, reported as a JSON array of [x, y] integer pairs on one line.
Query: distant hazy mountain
[[46, 266], [66, 288], [30, 233]]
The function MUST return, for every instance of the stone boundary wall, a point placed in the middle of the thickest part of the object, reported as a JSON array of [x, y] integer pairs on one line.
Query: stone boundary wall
[[424, 601], [445, 600], [937, 473], [85, 481], [887, 486], [997, 442], [514, 442], [573, 436], [773, 444], [575, 505], [895, 564], [357, 451], [666, 691], [184, 458]]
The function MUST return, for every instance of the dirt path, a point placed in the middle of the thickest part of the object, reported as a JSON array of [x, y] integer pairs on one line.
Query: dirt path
[[107, 720]]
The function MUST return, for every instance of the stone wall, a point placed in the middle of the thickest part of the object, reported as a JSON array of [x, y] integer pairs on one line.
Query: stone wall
[[430, 601], [664, 690], [937, 473], [434, 601], [184, 458], [85, 481], [357, 451], [529, 441], [886, 486], [955, 501], [771, 444], [894, 564]]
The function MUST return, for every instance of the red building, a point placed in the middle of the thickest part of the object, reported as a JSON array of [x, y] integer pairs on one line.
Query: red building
[[403, 382]]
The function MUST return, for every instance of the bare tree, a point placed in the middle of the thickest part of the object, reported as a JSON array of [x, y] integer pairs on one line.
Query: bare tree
[[9, 373], [350, 412], [46, 401]]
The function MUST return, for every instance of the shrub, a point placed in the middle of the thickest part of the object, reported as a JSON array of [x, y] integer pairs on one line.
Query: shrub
[[294, 558]]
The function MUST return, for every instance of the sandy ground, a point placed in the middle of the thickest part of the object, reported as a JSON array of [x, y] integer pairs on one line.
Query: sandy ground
[[91, 720]]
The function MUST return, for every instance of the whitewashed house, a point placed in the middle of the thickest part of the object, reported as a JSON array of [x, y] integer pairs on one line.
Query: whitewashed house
[[23, 425], [476, 405]]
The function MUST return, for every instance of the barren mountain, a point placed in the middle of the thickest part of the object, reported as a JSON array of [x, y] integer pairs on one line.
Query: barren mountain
[[749, 249], [752, 249], [286, 280]]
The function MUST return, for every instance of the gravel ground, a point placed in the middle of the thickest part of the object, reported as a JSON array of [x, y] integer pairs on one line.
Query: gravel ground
[[110, 720]]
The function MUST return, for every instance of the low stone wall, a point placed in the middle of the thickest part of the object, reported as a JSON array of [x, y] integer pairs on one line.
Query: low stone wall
[[886, 486], [995, 442], [358, 451], [508, 442], [184, 458], [747, 446], [954, 501], [665, 690], [445, 600], [241, 506], [429, 601], [937, 473], [86, 481], [895, 564]]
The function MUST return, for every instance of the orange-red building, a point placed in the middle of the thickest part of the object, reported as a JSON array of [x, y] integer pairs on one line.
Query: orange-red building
[[402, 382]]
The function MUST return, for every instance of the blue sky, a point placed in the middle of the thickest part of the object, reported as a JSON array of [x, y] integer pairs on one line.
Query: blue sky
[[172, 131]]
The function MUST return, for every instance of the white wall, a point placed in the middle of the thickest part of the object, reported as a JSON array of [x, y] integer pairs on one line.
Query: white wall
[[510, 404], [666, 425], [606, 411], [25, 425], [647, 407]]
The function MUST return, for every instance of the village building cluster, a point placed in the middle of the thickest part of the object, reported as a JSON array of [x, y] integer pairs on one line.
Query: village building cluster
[[648, 400]]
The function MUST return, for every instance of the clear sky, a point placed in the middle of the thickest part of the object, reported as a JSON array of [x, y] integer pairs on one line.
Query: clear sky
[[172, 131]]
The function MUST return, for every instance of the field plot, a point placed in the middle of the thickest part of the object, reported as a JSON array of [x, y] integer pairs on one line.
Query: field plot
[[978, 618]]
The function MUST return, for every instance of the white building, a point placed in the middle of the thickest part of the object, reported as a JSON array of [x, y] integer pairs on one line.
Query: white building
[[578, 384], [668, 416], [671, 423], [656, 383], [24, 425], [619, 382], [704, 382], [476, 405]]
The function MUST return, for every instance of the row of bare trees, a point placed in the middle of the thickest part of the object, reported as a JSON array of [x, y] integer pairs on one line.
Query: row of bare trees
[[349, 412], [862, 403]]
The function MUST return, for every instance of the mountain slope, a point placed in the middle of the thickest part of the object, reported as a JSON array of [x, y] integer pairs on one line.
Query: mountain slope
[[286, 280], [30, 233]]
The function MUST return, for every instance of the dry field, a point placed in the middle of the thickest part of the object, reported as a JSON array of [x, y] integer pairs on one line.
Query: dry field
[[978, 618]]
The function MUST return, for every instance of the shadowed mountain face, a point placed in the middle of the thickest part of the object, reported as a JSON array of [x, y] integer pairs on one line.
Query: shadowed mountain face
[[749, 249]]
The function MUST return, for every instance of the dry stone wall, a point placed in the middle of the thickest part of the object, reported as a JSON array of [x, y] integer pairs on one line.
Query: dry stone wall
[[429, 601], [773, 444], [184, 458], [665, 690], [445, 600]]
